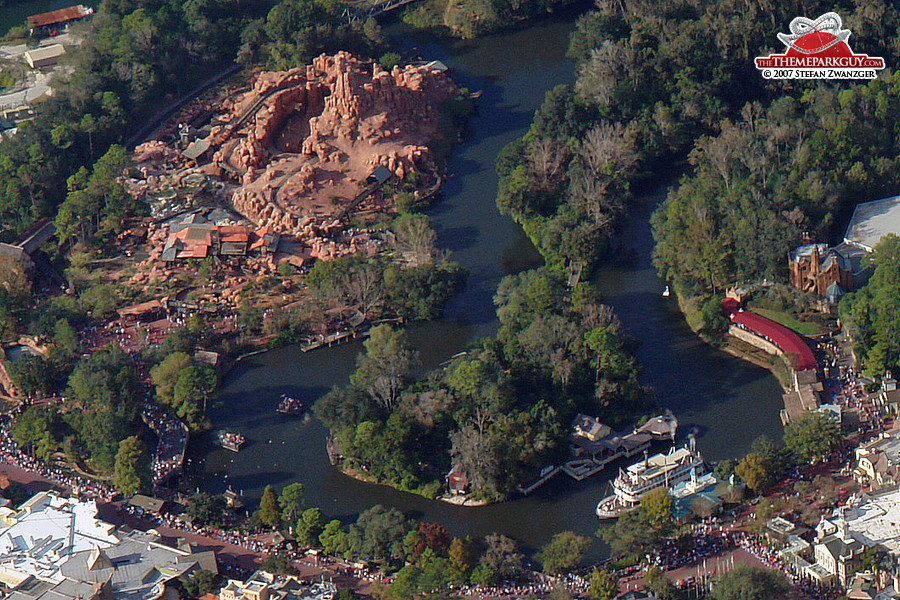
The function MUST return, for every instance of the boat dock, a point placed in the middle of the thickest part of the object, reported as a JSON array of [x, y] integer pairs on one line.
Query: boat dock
[[595, 446]]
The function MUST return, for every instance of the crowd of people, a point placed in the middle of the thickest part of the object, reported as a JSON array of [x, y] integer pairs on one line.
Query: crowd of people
[[76, 485], [172, 439], [847, 386]]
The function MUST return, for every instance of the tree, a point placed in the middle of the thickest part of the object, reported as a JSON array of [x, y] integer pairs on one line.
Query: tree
[[165, 375], [501, 556], [190, 393], [750, 583], [563, 552], [333, 539], [132, 469], [200, 583], [384, 366], [415, 239], [603, 585], [657, 506], [269, 511], [633, 534], [292, 502], [206, 509], [812, 437], [378, 534], [756, 471], [310, 526], [463, 556], [658, 583], [65, 338]]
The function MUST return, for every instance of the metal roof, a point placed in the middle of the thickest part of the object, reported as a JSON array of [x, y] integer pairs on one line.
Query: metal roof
[[873, 220]]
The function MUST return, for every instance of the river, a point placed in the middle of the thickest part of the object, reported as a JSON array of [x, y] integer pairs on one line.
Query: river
[[727, 402]]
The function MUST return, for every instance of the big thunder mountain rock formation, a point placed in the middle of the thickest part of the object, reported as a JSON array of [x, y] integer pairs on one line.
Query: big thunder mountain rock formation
[[302, 142]]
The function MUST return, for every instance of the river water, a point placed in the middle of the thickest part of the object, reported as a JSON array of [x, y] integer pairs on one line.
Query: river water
[[725, 401]]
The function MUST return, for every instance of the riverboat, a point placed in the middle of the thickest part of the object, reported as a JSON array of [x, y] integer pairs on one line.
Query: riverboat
[[230, 441], [290, 406], [641, 478]]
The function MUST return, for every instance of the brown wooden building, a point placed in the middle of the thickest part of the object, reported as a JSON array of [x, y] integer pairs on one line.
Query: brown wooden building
[[816, 268]]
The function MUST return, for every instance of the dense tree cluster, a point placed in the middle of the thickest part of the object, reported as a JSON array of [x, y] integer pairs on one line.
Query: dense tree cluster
[[427, 557], [471, 18], [295, 31], [873, 312], [412, 282], [498, 413], [766, 160], [185, 387], [136, 53], [100, 411], [772, 161]]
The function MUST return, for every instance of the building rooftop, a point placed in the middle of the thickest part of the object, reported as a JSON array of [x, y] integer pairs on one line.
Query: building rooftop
[[47, 530], [62, 15], [876, 520], [791, 344], [873, 220]]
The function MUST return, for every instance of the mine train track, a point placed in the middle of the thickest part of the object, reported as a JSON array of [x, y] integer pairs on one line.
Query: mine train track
[[354, 14]]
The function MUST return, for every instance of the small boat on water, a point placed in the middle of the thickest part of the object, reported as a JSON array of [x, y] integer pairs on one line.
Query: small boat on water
[[290, 406], [476, 95], [666, 292], [230, 441]]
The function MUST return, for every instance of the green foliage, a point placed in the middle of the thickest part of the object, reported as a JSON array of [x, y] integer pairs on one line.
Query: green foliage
[[206, 509], [872, 311], [34, 425], [659, 584], [292, 502], [294, 31], [165, 375], [501, 559], [563, 552], [184, 387], [657, 507], [385, 365], [200, 583], [310, 526], [96, 206], [389, 60], [750, 583], [378, 534], [634, 534], [812, 437], [761, 181], [473, 18], [33, 375], [603, 585], [334, 539], [724, 469], [132, 469], [269, 512], [101, 406]]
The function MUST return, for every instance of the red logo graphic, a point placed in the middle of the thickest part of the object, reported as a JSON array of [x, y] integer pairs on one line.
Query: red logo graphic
[[818, 50]]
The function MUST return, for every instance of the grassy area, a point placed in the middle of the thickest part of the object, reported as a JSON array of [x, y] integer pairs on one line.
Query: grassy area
[[808, 329]]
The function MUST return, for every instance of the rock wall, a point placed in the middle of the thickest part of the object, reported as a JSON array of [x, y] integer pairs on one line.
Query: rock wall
[[359, 116]]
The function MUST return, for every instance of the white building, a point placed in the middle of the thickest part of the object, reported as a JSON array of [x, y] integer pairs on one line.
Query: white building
[[52, 546]]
